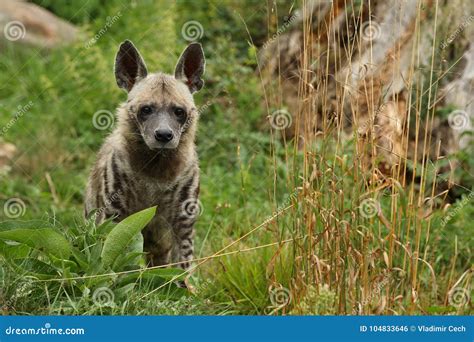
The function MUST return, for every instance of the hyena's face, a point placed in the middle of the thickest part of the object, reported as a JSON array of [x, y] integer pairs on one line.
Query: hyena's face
[[161, 106]]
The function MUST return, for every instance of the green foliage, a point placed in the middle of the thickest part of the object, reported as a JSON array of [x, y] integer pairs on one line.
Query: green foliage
[[317, 301], [103, 259], [123, 233], [246, 175], [45, 239], [78, 12]]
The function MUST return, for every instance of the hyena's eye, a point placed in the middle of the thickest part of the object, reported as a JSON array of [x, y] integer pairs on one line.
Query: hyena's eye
[[145, 110], [179, 112]]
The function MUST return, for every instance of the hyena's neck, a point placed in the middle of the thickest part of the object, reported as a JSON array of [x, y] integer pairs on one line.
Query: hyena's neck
[[165, 165]]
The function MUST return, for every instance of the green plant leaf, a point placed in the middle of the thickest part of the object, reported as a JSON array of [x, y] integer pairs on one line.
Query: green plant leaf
[[80, 258], [44, 239], [123, 234], [17, 224], [132, 255], [12, 249], [36, 267]]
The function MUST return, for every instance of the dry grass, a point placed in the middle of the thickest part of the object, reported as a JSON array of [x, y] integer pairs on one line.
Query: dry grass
[[364, 228]]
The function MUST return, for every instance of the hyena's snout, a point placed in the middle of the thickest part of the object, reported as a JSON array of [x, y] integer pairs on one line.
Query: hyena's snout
[[164, 135], [161, 130]]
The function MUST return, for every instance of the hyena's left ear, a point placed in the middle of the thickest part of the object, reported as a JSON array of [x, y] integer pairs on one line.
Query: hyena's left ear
[[129, 66], [191, 66]]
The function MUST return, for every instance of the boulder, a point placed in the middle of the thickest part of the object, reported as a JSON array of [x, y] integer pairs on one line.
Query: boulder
[[26, 23]]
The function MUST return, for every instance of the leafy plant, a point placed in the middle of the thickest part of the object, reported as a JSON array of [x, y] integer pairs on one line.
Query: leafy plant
[[81, 260]]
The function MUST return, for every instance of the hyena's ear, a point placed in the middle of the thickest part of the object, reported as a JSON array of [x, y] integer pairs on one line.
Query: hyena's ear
[[129, 66], [191, 66]]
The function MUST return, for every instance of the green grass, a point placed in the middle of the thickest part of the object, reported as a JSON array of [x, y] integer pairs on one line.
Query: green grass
[[247, 175]]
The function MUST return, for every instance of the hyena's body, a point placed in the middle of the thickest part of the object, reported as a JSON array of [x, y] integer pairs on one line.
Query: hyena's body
[[150, 158]]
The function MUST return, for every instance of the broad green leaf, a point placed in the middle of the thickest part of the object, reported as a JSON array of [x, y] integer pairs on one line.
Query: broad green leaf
[[131, 260], [44, 239], [14, 224], [12, 250], [123, 233], [137, 244], [132, 255], [64, 264]]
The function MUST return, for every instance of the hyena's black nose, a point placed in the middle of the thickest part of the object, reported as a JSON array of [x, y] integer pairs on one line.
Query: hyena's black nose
[[163, 135]]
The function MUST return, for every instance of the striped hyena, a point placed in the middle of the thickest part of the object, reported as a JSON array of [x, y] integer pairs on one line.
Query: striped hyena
[[150, 158]]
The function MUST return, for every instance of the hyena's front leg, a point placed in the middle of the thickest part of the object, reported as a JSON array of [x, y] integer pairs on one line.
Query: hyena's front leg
[[185, 236], [184, 230], [158, 241], [188, 210]]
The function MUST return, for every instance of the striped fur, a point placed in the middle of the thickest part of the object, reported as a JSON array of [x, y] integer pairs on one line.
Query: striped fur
[[129, 176]]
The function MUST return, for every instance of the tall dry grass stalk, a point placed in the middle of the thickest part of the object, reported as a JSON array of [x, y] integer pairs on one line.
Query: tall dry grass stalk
[[364, 231]]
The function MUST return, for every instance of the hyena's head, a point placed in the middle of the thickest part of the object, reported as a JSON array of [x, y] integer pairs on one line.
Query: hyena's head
[[160, 106]]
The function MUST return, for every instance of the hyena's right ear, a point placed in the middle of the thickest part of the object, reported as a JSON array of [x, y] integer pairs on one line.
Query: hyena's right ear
[[191, 66], [129, 66]]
